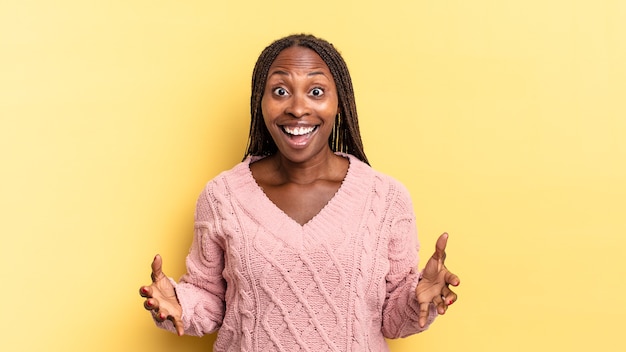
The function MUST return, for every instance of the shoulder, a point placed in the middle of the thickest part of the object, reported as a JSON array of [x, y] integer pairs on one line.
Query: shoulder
[[238, 178], [219, 193], [378, 180], [237, 174]]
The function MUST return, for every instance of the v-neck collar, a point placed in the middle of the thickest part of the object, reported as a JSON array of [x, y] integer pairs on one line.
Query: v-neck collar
[[333, 215]]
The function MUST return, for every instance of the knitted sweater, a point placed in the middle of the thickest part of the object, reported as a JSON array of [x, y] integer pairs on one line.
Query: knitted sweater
[[343, 281]]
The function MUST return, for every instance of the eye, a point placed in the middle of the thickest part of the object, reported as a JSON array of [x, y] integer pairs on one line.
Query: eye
[[280, 91], [317, 92]]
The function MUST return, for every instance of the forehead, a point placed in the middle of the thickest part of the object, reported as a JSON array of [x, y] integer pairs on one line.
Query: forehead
[[299, 58]]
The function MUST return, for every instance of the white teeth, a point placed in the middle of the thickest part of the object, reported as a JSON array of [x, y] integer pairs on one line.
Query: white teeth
[[298, 131]]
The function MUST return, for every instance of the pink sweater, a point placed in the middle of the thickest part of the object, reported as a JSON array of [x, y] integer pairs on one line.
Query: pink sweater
[[342, 282]]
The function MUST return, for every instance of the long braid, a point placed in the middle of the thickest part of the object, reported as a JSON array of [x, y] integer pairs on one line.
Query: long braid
[[345, 137]]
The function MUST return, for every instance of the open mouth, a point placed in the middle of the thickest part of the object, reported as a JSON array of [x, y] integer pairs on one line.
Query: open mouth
[[299, 130], [298, 136]]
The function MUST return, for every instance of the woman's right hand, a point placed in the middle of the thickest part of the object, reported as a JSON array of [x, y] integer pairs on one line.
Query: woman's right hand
[[161, 297]]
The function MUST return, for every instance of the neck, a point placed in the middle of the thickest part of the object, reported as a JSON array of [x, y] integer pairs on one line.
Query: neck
[[323, 167]]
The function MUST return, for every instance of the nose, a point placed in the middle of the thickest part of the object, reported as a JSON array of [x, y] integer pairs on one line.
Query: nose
[[298, 106]]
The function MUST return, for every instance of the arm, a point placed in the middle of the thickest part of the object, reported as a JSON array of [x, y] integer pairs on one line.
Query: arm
[[434, 287], [194, 306], [401, 310], [413, 300]]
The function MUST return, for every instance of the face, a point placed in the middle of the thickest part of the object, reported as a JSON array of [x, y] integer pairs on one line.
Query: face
[[299, 104]]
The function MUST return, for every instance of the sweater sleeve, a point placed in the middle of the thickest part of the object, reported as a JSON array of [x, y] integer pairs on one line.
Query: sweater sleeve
[[202, 289], [401, 310]]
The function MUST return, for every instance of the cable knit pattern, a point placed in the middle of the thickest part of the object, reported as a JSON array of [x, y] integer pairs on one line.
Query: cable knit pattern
[[342, 282]]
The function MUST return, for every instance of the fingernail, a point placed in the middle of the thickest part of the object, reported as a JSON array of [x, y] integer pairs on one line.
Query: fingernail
[[451, 301], [149, 304], [144, 290]]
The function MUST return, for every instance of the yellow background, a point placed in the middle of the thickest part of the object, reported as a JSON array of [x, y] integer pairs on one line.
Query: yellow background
[[505, 119]]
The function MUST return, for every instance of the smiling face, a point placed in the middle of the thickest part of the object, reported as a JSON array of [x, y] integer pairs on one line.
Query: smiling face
[[299, 104]]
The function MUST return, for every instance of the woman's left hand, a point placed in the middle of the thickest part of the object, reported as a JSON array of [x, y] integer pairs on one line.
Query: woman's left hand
[[433, 287]]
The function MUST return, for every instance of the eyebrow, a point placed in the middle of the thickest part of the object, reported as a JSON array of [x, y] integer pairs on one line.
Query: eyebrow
[[284, 73], [314, 73]]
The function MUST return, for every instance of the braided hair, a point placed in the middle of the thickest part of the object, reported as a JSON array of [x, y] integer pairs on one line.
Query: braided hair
[[345, 137]]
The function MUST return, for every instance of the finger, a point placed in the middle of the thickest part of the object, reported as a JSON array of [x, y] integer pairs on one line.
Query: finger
[[452, 279], [157, 268], [145, 291], [178, 324], [439, 304], [151, 304], [449, 296], [440, 247], [160, 316], [423, 314]]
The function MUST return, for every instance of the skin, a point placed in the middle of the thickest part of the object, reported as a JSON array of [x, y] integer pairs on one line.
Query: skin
[[434, 287], [304, 174]]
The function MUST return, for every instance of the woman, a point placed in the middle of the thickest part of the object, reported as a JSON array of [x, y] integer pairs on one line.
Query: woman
[[303, 246]]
